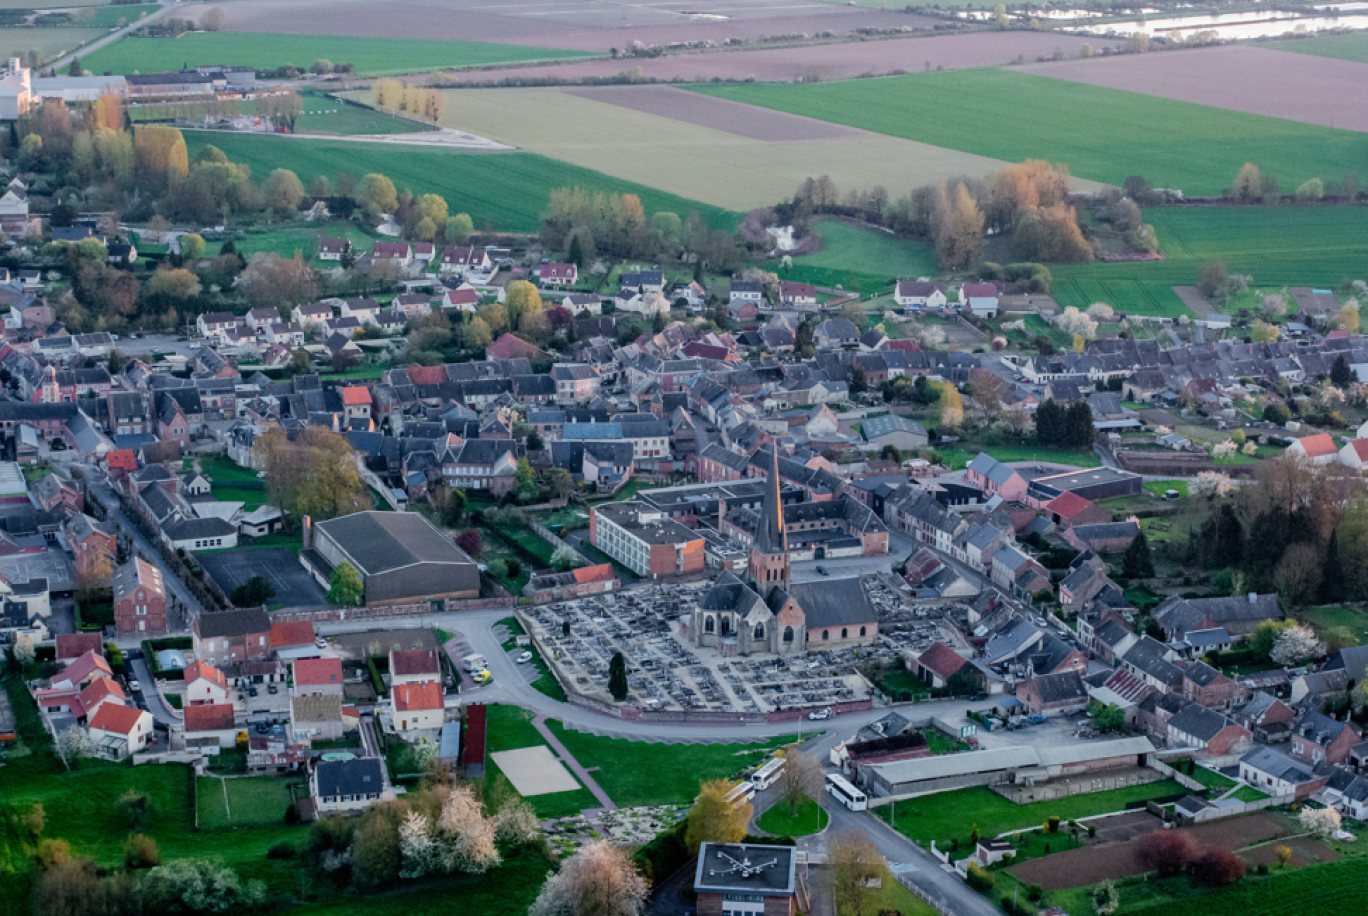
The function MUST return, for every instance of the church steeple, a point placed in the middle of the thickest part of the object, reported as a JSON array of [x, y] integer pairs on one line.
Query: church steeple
[[769, 556]]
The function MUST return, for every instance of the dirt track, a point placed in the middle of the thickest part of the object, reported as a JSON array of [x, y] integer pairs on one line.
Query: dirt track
[[1298, 87]]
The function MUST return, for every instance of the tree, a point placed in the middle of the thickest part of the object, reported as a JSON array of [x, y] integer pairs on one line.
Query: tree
[[1323, 822], [466, 833], [199, 886], [523, 305], [375, 855], [1211, 282], [1284, 855], [174, 283], [714, 819], [801, 778], [1218, 867], [1167, 852], [376, 195], [75, 69], [1298, 575], [345, 587], [1248, 186], [255, 592], [459, 228], [213, 19], [855, 863], [1109, 718], [890, 452], [470, 542], [803, 345], [74, 744], [598, 880], [161, 152], [322, 67], [1138, 562], [34, 819], [1295, 645], [140, 851], [1341, 376], [1073, 322], [1106, 899], [135, 809], [566, 557], [525, 480], [1348, 321], [617, 677], [960, 228], [1050, 423], [191, 247], [314, 474], [1332, 587], [558, 479], [284, 191], [1078, 425]]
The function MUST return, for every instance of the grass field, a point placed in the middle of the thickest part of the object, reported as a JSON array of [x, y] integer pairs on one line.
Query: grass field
[[637, 773], [1160, 487], [49, 43], [1329, 888], [1353, 46], [952, 815], [1279, 246], [262, 51], [510, 727], [861, 259], [1101, 134], [959, 456], [702, 163], [506, 190], [1324, 619], [809, 819], [252, 801]]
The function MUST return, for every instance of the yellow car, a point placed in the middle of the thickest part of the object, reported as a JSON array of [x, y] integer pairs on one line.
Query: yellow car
[[483, 677]]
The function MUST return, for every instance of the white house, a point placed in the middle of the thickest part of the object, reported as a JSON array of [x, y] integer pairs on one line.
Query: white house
[[1317, 449], [260, 319], [920, 294], [204, 684], [456, 259], [346, 785], [365, 311], [982, 298], [417, 706], [463, 298], [120, 731], [1354, 454], [582, 303], [210, 725], [313, 314]]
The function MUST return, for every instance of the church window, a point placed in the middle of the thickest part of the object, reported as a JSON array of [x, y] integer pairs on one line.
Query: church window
[[707, 625], [844, 633], [788, 634], [826, 634], [759, 631], [862, 631]]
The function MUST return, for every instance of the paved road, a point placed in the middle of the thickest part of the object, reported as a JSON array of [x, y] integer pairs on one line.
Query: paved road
[[160, 711], [61, 63]]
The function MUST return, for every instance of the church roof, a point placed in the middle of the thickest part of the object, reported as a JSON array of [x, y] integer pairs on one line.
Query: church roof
[[833, 602], [729, 593], [770, 537]]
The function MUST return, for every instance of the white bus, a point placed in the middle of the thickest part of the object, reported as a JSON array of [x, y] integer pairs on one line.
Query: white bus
[[743, 792], [845, 793], [765, 777]]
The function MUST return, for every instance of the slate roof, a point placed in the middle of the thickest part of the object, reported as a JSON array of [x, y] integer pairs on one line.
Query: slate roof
[[833, 602], [1063, 687], [359, 776], [232, 624], [1201, 723], [384, 541]]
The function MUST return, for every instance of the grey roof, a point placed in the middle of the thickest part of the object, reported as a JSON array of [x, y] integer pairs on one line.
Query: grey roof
[[1196, 720], [1201, 674], [1238, 614], [729, 593], [1278, 765], [231, 624], [1320, 728], [833, 602], [1107, 531], [773, 875], [770, 537], [385, 541], [882, 426], [1061, 687], [188, 528], [359, 776], [1147, 656]]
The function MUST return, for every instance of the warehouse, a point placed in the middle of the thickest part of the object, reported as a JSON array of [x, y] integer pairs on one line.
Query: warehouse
[[401, 557], [1090, 483]]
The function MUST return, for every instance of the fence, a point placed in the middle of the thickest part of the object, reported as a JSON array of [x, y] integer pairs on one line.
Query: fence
[[317, 614], [1187, 782]]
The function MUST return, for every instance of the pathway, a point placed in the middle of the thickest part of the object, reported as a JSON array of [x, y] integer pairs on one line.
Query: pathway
[[539, 723]]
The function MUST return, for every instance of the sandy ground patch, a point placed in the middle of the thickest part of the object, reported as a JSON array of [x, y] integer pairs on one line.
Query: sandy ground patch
[[1298, 87], [596, 26], [535, 771], [713, 166], [1306, 850], [827, 62], [736, 118]]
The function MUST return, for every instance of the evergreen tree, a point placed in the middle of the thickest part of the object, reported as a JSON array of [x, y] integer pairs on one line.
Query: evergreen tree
[[617, 677], [1221, 539], [857, 380], [1078, 426], [1138, 563], [1341, 376], [720, 315], [658, 323], [1265, 541], [576, 255], [1049, 423], [698, 272], [803, 346], [1332, 575]]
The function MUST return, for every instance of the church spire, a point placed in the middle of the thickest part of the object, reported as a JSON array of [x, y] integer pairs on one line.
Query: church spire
[[769, 556]]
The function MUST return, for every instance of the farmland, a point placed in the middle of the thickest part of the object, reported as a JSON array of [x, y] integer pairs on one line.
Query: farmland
[[730, 156], [49, 43], [265, 51], [1278, 246], [860, 258], [1353, 46], [320, 115], [506, 190], [1101, 134]]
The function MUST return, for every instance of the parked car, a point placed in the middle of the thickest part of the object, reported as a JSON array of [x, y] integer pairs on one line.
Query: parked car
[[978, 697], [134, 686], [525, 656], [252, 691], [818, 715], [272, 688], [823, 571], [483, 676], [1036, 719], [320, 642]]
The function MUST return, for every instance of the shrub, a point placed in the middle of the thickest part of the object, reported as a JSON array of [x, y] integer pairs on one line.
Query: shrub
[[281, 851], [1262, 869], [1218, 867], [140, 851], [979, 879], [1035, 892], [1167, 852], [1053, 823]]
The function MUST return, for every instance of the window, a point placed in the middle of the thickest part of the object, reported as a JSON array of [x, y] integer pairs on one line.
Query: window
[[826, 634], [759, 631], [845, 634], [707, 625], [862, 631], [788, 634]]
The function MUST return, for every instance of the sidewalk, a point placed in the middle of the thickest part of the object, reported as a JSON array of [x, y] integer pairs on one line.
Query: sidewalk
[[580, 772]]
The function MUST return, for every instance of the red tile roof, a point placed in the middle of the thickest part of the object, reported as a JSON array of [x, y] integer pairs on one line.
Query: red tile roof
[[317, 671], [121, 720], [88, 665], [123, 459], [99, 689], [356, 394], [74, 645], [427, 695], [511, 346], [907, 346], [295, 633], [941, 659], [427, 375], [604, 571], [211, 717], [1069, 505], [404, 662], [198, 669], [1318, 446], [1360, 447], [559, 271]]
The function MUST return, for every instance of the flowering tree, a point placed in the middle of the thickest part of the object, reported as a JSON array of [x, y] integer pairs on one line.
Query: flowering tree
[[1015, 325], [1210, 484], [1250, 448], [599, 880], [1295, 645], [24, 651], [417, 847], [74, 743], [1100, 312], [466, 834], [516, 822], [1320, 821], [1073, 322], [1223, 449]]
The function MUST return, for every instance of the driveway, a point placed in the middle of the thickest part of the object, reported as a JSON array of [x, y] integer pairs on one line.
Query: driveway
[[155, 705]]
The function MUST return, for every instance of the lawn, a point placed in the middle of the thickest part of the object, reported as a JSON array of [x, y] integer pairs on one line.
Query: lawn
[[508, 190], [1353, 46], [948, 816], [510, 727], [892, 897], [252, 800], [1324, 619], [1249, 794], [1278, 246], [1210, 778], [859, 259], [810, 819], [264, 51], [49, 43], [1101, 134], [957, 456], [1160, 487], [505, 891], [637, 773], [251, 499]]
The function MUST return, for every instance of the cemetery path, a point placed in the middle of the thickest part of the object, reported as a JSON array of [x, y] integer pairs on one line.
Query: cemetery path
[[575, 766]]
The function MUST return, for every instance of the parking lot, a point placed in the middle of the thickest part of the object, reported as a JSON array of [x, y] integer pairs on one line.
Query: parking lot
[[232, 568]]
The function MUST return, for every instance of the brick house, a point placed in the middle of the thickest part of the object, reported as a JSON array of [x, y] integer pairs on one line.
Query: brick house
[[767, 889], [1205, 685], [232, 636], [1318, 737], [1054, 694], [937, 664], [139, 599], [317, 677], [1208, 732]]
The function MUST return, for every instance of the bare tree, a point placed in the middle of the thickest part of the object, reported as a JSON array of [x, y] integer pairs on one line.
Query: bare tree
[[801, 778], [987, 390], [599, 880], [855, 863]]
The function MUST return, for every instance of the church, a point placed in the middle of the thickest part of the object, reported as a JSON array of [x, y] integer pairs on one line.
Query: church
[[767, 612]]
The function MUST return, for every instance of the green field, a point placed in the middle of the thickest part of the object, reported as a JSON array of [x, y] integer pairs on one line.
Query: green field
[[809, 819], [1324, 619], [1323, 247], [863, 259], [49, 43], [263, 51], [950, 816], [637, 773], [1160, 487], [958, 456], [107, 17], [1353, 46], [1328, 888], [1101, 134], [252, 800], [510, 727], [507, 190]]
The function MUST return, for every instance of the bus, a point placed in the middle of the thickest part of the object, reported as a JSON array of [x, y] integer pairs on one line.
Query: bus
[[742, 793], [765, 777], [845, 793]]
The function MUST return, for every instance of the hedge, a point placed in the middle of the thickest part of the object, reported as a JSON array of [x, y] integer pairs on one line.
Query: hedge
[[150, 647]]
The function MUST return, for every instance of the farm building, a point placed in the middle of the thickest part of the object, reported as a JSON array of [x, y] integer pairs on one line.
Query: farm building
[[1091, 483], [400, 556]]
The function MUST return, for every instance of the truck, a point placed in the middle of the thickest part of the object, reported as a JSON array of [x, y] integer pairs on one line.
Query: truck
[[473, 662]]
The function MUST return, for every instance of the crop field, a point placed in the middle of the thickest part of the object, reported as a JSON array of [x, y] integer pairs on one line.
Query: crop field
[[320, 115], [1101, 134], [721, 155], [506, 190], [49, 43], [107, 17], [1278, 246], [263, 51], [1353, 46], [1238, 77], [859, 258]]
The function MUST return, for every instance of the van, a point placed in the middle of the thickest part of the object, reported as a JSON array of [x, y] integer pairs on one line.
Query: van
[[473, 662]]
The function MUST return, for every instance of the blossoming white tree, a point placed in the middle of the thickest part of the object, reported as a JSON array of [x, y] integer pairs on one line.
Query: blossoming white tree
[[1296, 644], [1210, 484], [1320, 821], [598, 880]]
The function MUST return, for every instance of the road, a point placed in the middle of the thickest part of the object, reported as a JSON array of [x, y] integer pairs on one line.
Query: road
[[62, 63], [160, 711]]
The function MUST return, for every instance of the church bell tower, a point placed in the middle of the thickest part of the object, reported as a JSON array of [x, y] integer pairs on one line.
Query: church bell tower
[[769, 556]]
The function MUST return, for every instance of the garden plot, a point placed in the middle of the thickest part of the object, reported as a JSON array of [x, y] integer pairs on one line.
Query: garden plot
[[623, 827], [535, 771]]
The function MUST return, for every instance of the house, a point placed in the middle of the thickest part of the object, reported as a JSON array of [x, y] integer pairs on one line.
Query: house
[[210, 725], [937, 664], [122, 254], [204, 684], [1208, 687], [920, 294], [260, 319], [200, 534], [797, 295], [317, 677], [1355, 454], [575, 382], [743, 879], [558, 275], [232, 636], [71, 646], [414, 666], [582, 303], [397, 253], [890, 429], [1278, 774], [462, 299], [1318, 737], [316, 718], [1107, 537], [1208, 732], [1269, 718], [746, 291], [417, 706], [215, 324], [346, 786], [1317, 449], [333, 249], [312, 315], [834, 333], [992, 476], [1054, 694], [1239, 616], [982, 299], [120, 731], [457, 259], [139, 598], [1069, 509], [293, 639]]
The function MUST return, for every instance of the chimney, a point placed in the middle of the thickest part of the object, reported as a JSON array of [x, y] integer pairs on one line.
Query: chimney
[[1253, 598]]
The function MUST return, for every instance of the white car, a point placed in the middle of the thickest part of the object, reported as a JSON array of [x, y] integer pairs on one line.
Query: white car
[[819, 714], [134, 686], [525, 657], [320, 642]]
